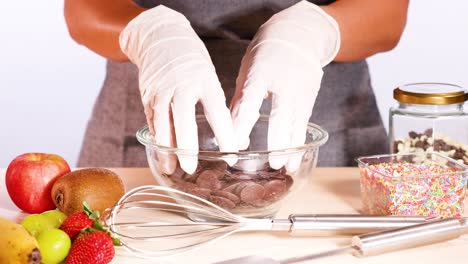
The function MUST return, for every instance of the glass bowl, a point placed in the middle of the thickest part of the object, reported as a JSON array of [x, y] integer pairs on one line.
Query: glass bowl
[[250, 187], [425, 184]]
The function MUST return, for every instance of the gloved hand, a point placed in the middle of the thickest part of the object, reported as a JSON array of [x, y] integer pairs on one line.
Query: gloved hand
[[284, 61], [175, 72]]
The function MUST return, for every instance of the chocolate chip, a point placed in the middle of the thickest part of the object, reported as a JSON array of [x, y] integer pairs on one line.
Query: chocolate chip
[[222, 202], [438, 145], [426, 145], [413, 134], [274, 189], [459, 153], [209, 179], [395, 145], [428, 132], [234, 198], [252, 192], [419, 144], [447, 147]]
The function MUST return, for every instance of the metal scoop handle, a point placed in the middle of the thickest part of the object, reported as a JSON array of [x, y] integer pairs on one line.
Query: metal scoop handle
[[342, 224], [408, 237]]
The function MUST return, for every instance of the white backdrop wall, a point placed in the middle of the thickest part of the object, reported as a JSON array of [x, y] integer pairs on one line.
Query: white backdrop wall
[[48, 83]]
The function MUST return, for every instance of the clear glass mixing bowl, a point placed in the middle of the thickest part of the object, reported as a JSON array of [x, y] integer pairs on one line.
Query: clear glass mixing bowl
[[250, 187]]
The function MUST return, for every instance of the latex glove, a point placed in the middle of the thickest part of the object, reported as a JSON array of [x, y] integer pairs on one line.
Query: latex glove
[[284, 61], [176, 72]]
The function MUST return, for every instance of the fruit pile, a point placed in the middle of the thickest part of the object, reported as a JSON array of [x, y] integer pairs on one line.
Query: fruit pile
[[60, 227], [78, 238]]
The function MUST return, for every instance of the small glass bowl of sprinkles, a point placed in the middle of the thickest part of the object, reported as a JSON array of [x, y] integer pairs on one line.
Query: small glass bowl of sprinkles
[[423, 184]]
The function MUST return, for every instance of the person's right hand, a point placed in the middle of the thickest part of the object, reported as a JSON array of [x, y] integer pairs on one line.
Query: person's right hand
[[176, 72]]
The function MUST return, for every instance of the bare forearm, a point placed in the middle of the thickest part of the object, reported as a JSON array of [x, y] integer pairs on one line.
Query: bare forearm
[[97, 24], [368, 26]]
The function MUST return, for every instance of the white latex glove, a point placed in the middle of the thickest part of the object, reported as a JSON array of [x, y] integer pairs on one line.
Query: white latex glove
[[176, 72], [284, 61]]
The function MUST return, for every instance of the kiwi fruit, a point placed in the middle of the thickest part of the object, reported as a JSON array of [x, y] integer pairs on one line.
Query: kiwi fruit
[[100, 188]]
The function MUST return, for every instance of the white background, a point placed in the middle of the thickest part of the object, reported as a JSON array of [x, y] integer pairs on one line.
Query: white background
[[49, 83]]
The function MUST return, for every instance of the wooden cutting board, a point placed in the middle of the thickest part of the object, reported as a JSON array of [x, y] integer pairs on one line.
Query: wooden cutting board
[[329, 190]]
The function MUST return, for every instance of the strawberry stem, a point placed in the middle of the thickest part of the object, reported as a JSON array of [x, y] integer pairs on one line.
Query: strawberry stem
[[97, 225], [89, 212], [116, 241]]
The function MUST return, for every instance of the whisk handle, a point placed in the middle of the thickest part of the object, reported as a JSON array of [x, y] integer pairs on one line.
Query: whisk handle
[[408, 237], [347, 224]]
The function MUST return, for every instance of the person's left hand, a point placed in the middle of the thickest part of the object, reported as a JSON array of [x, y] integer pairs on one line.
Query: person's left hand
[[284, 61]]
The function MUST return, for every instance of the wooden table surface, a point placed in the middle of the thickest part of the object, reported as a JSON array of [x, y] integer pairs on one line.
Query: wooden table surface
[[329, 190]]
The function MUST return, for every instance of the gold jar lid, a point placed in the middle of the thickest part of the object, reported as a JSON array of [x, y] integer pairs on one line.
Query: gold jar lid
[[430, 93]]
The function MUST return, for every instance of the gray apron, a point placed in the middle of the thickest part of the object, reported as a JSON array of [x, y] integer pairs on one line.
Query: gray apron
[[345, 106]]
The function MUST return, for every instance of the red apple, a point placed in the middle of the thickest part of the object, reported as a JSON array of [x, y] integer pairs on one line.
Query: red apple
[[29, 179]]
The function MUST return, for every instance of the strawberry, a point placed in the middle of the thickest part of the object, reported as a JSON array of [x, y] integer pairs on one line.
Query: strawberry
[[91, 247], [76, 222]]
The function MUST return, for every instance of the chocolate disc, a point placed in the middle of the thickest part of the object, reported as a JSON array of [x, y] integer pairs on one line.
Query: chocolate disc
[[208, 179], [231, 187], [222, 202], [200, 192], [274, 189], [242, 184], [252, 192], [234, 198], [182, 185]]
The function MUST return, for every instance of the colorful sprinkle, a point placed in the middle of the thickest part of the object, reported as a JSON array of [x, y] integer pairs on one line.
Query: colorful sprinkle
[[403, 188]]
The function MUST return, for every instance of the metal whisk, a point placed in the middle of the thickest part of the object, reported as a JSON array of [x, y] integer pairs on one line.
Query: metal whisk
[[155, 221]]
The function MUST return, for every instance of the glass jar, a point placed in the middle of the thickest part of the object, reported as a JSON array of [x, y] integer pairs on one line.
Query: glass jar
[[429, 117]]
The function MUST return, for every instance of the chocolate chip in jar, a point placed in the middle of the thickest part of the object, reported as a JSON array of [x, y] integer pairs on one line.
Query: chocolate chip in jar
[[428, 132], [413, 135], [429, 117], [417, 142]]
